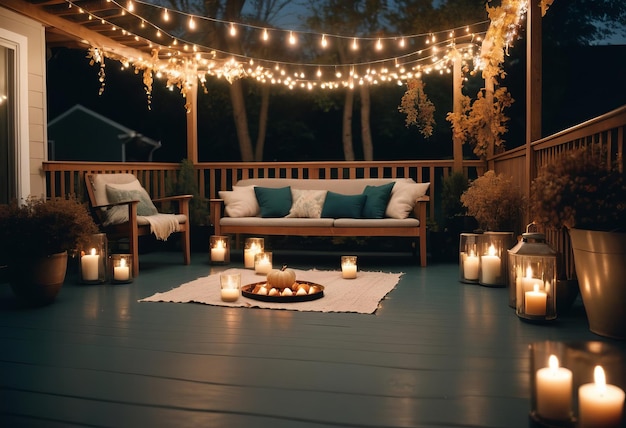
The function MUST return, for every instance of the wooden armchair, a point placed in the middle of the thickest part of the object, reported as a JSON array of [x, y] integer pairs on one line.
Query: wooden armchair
[[124, 210]]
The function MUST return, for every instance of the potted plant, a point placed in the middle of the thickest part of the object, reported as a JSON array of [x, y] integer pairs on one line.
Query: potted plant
[[585, 192], [35, 237], [495, 202]]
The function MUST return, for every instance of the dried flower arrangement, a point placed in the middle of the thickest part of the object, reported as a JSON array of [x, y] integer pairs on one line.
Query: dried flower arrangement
[[582, 189], [40, 228], [495, 201]]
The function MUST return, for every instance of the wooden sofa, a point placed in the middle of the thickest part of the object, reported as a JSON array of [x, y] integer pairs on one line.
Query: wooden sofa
[[235, 212]]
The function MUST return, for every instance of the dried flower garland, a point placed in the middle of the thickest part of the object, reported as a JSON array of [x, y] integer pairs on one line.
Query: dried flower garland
[[418, 108]]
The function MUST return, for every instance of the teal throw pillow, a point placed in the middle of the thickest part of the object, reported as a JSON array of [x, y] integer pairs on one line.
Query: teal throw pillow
[[273, 202], [377, 199], [145, 207], [337, 205]]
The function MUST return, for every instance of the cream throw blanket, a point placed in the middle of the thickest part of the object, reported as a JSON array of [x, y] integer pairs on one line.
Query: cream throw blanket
[[361, 295], [163, 225]]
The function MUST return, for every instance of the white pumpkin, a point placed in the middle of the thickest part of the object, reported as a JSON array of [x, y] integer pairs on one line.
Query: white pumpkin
[[281, 278]]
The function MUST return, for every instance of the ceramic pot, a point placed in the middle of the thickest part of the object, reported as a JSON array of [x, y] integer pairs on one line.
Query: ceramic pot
[[37, 281], [600, 261]]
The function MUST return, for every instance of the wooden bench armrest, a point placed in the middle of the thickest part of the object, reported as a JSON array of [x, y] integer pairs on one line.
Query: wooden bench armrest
[[172, 198], [134, 202]]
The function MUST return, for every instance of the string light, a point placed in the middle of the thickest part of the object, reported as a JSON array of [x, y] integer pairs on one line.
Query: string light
[[183, 65]]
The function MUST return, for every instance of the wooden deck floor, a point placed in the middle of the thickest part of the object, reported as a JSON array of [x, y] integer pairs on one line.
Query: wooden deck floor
[[437, 353]]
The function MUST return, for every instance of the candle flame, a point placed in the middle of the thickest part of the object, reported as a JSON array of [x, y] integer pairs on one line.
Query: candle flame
[[122, 262], [553, 363], [219, 245], [529, 272], [536, 288], [600, 379], [93, 251], [492, 250]]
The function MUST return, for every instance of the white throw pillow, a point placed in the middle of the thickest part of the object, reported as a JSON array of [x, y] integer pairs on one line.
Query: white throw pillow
[[240, 202], [307, 203], [403, 196]]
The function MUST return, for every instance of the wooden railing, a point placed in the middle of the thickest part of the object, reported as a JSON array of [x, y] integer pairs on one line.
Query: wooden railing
[[608, 130], [158, 178]]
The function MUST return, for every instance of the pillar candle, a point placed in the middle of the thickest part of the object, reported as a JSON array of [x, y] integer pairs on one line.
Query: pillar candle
[[218, 252], [348, 270], [263, 264], [554, 391], [89, 266], [470, 267], [535, 302], [121, 272], [248, 255], [599, 404], [490, 266]]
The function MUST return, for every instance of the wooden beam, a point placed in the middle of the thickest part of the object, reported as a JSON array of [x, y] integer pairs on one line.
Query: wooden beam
[[76, 31], [533, 87]]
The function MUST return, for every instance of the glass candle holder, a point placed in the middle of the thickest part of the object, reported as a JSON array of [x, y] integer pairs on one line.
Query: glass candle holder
[[93, 260], [230, 286], [121, 268], [560, 391], [348, 267], [219, 249], [263, 263], [493, 248], [251, 248], [469, 260]]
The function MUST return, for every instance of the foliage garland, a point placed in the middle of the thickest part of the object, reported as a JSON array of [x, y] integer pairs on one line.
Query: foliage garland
[[418, 108]]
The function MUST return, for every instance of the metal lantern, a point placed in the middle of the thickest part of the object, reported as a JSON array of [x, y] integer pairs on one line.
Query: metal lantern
[[493, 261], [532, 278], [469, 259]]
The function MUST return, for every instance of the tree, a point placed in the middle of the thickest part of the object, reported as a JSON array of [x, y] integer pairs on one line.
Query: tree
[[350, 19]]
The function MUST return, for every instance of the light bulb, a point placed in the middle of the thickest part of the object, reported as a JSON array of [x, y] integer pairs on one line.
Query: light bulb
[[355, 45], [324, 41], [192, 23], [233, 30], [379, 45], [131, 6], [166, 16], [266, 36], [292, 38]]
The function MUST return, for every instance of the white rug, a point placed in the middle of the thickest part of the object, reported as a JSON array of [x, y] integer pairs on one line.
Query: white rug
[[360, 295]]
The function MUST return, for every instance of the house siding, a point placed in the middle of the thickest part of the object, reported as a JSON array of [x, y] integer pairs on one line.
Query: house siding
[[36, 60]]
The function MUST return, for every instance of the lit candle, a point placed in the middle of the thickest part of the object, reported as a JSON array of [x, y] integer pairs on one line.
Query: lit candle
[[249, 253], [89, 266], [470, 266], [348, 269], [262, 264], [230, 287], [121, 272], [529, 281], [490, 266], [599, 404], [218, 252], [554, 391], [535, 301]]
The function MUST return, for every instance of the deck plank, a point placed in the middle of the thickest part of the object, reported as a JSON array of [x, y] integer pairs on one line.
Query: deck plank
[[436, 353]]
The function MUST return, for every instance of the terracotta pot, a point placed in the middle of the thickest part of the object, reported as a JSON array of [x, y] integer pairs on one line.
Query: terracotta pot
[[38, 281], [600, 261]]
